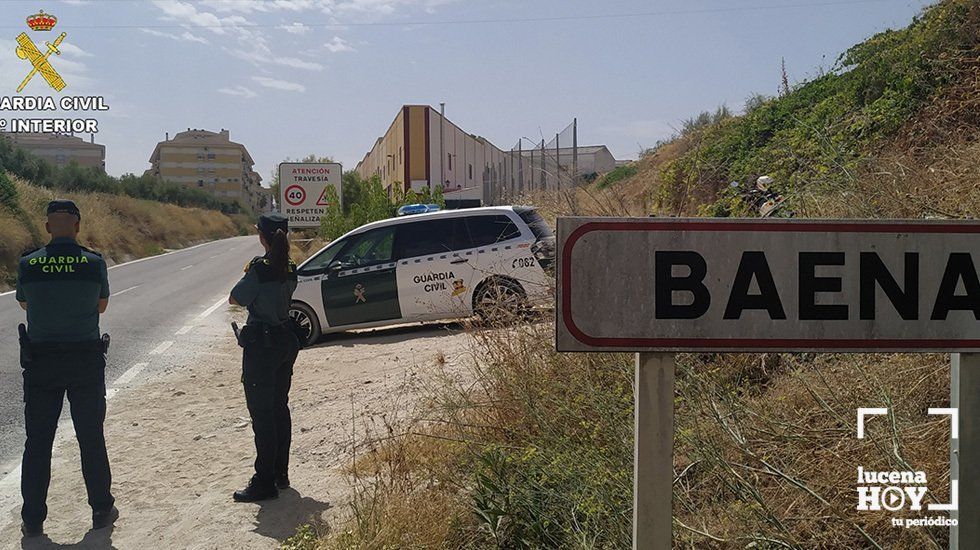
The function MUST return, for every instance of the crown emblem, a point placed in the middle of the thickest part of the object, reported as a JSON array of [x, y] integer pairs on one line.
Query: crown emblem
[[41, 21]]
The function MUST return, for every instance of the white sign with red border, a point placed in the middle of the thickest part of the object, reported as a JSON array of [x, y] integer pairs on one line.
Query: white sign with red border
[[645, 284], [303, 191]]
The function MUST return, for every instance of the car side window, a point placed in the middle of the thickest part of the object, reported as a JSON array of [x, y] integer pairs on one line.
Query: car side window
[[370, 248], [429, 237], [487, 230], [320, 262]]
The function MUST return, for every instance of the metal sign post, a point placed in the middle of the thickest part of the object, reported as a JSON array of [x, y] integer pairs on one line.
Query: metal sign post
[[965, 451], [653, 451], [657, 286]]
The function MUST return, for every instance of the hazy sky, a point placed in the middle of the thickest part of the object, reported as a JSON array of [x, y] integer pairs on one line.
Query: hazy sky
[[293, 77]]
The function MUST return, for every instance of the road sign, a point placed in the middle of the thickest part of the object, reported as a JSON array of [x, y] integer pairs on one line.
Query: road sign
[[642, 284], [304, 191]]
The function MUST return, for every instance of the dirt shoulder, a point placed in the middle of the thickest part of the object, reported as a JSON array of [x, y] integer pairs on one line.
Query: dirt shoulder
[[180, 442]]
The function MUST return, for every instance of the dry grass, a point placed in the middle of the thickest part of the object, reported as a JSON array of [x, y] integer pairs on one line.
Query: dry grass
[[122, 228]]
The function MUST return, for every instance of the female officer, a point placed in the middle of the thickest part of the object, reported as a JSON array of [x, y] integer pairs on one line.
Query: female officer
[[270, 348]]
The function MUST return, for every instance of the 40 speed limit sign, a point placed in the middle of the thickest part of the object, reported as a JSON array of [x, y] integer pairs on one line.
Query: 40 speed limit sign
[[304, 198]]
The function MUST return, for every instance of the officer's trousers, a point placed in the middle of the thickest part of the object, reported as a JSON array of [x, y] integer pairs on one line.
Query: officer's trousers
[[267, 372], [47, 378]]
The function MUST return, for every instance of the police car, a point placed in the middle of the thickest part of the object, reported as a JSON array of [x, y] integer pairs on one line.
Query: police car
[[427, 267]]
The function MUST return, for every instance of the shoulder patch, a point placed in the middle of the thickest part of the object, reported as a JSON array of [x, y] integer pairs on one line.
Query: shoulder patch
[[99, 254], [258, 260]]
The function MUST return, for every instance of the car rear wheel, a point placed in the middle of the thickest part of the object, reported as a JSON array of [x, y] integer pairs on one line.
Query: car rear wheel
[[500, 301], [307, 321]]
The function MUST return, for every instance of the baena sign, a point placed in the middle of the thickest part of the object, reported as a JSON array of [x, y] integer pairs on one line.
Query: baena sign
[[646, 284]]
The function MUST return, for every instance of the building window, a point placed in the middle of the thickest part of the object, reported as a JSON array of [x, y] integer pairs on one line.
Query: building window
[[210, 156], [399, 154], [471, 171], [200, 183]]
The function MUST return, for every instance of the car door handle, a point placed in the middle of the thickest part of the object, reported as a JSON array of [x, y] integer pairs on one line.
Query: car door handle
[[460, 261]]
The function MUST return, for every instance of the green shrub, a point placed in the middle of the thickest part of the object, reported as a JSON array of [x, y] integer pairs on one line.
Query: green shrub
[[8, 192], [617, 175], [368, 201]]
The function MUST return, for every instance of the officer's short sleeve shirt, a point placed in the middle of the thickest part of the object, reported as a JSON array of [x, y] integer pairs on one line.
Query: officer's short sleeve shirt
[[62, 284]]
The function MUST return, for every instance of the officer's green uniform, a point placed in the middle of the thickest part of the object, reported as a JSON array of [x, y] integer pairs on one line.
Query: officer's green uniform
[[270, 348], [62, 284]]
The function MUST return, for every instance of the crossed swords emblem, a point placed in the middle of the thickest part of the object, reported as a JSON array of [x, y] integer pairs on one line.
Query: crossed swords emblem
[[27, 50], [359, 294]]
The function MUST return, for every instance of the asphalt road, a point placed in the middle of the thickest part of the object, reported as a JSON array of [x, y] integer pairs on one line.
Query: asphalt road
[[152, 300]]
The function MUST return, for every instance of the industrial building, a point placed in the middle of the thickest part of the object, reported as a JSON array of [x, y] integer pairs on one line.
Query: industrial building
[[61, 149], [212, 162], [422, 149]]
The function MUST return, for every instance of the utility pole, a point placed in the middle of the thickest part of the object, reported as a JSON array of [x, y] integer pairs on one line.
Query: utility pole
[[442, 144]]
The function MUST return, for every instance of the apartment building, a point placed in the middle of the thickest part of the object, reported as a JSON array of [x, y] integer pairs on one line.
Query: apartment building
[[212, 162], [61, 149]]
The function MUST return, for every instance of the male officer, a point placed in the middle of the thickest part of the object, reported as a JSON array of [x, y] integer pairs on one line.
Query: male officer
[[64, 287]]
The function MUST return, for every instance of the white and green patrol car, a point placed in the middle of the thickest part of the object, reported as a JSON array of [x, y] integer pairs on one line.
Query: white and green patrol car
[[427, 267]]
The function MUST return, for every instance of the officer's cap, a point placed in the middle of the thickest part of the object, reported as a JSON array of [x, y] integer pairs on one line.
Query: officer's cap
[[271, 222], [63, 206]]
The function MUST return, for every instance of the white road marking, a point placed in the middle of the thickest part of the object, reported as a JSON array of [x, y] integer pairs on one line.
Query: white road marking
[[125, 291], [187, 267], [164, 254], [213, 257], [184, 330], [8, 292], [213, 308], [162, 347], [129, 375]]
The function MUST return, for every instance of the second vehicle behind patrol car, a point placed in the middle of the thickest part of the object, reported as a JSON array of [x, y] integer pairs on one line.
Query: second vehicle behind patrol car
[[427, 267]]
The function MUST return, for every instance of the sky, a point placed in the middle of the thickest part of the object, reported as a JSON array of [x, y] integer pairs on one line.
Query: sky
[[292, 77]]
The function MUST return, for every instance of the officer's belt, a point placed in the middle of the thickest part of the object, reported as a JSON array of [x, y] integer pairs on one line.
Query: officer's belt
[[40, 348]]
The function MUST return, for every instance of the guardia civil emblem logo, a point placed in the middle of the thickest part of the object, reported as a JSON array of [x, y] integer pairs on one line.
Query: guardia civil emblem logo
[[28, 50]]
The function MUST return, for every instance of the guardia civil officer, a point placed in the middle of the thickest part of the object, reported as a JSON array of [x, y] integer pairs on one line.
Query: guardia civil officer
[[270, 348], [64, 287]]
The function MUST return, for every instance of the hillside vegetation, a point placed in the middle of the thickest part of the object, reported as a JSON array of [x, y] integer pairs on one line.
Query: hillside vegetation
[[533, 449], [121, 227]]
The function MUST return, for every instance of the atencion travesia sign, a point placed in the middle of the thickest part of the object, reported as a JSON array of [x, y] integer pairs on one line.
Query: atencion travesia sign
[[663, 284], [303, 191]]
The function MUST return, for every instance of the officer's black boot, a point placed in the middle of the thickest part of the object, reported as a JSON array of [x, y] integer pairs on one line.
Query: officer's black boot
[[31, 530], [282, 482], [257, 491], [104, 518]]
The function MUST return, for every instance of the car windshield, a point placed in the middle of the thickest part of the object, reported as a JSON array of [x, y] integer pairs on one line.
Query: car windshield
[[535, 221], [323, 259]]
